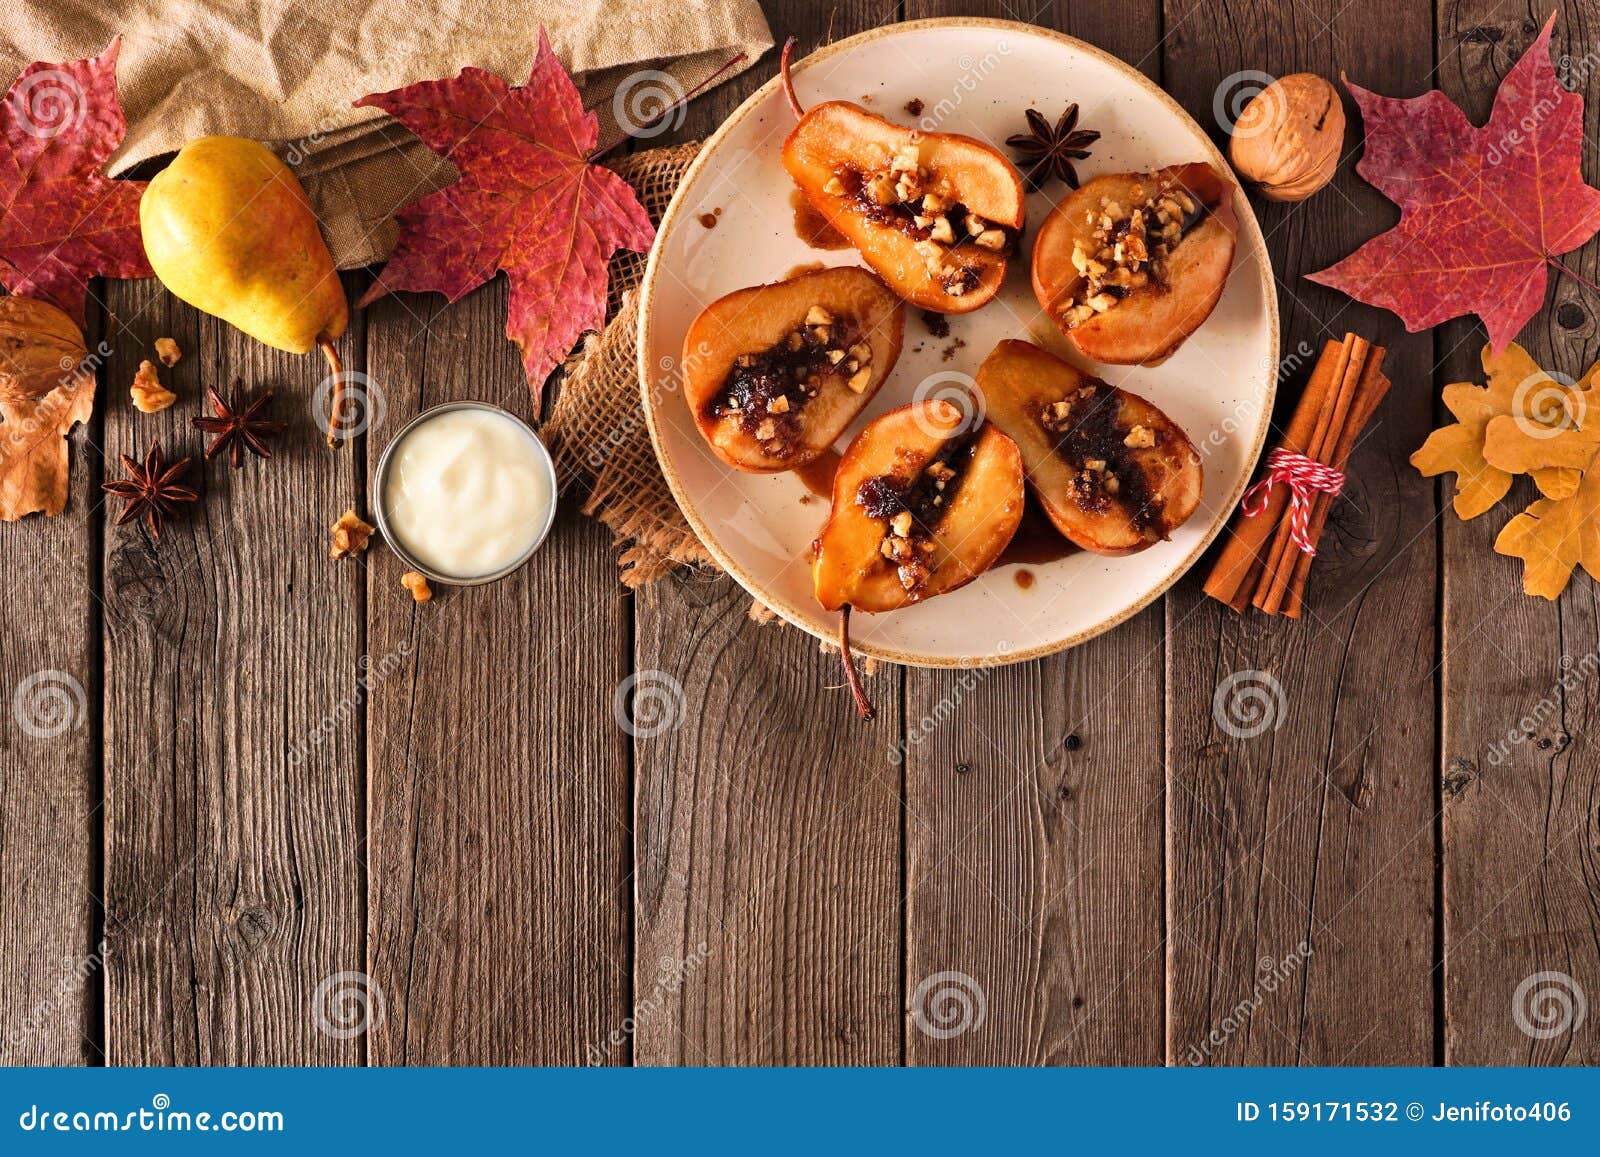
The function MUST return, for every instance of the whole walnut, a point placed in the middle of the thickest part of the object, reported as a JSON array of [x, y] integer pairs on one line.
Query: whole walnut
[[1287, 141], [40, 348]]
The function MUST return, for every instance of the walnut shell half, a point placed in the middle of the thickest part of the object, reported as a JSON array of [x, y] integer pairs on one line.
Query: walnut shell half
[[40, 348], [1287, 141]]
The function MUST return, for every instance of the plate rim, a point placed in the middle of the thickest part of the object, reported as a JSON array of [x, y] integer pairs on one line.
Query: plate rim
[[672, 218]]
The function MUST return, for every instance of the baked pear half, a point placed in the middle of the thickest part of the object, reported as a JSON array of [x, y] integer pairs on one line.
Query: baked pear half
[[924, 501], [936, 214], [1131, 264], [922, 504], [1111, 471], [774, 374]]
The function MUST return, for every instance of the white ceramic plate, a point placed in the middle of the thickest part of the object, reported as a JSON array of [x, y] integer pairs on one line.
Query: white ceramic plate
[[974, 77]]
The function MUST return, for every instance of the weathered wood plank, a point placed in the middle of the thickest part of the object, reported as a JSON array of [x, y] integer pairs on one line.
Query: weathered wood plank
[[1521, 698], [1033, 807], [1300, 859], [50, 961], [233, 815], [499, 805], [768, 846], [768, 825]]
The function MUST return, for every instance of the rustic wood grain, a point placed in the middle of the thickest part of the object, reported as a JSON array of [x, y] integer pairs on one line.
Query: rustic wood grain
[[231, 884], [1316, 835], [284, 770], [50, 962], [1521, 694], [768, 823], [1033, 804], [768, 846], [498, 783]]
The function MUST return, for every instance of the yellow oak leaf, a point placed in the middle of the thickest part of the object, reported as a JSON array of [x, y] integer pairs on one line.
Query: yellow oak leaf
[[1553, 536], [1518, 446], [1518, 391]]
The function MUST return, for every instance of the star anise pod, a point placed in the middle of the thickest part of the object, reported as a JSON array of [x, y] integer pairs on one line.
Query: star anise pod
[[238, 427], [1049, 152], [151, 489]]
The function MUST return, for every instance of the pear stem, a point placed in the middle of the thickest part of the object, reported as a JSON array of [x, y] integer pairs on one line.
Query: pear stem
[[336, 407], [788, 81], [863, 704]]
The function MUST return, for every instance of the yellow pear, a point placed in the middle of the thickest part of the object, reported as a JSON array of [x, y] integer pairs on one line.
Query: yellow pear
[[228, 229]]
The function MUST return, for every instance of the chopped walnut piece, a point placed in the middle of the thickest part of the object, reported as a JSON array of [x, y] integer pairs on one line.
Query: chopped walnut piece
[[149, 395], [350, 535], [818, 315], [858, 380], [880, 187], [901, 524], [1140, 437], [913, 573], [1133, 246], [167, 350], [418, 586]]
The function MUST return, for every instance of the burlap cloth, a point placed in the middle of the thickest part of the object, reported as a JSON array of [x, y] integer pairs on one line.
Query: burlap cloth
[[286, 73], [596, 430]]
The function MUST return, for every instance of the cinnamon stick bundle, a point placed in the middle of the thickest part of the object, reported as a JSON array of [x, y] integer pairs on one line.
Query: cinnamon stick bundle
[[1260, 563]]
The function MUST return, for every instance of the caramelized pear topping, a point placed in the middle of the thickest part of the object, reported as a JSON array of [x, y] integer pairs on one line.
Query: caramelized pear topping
[[767, 390], [1129, 248], [899, 195], [913, 508], [1098, 447]]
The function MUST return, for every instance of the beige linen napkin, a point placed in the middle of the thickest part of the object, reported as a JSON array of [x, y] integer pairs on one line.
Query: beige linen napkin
[[286, 73]]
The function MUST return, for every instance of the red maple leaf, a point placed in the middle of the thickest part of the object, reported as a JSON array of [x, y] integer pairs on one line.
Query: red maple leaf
[[61, 221], [528, 202], [1483, 212]]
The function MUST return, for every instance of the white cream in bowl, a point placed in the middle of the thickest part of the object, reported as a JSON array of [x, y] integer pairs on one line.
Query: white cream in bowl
[[467, 492]]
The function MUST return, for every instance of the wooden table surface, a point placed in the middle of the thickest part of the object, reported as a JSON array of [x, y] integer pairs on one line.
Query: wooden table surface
[[279, 787]]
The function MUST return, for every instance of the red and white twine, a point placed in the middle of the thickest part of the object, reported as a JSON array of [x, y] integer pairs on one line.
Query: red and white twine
[[1305, 477]]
